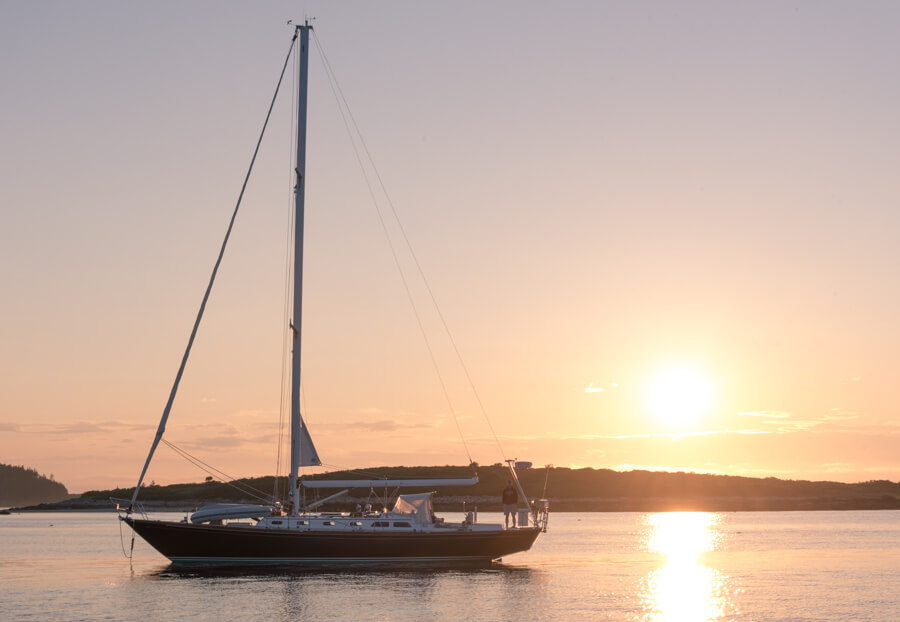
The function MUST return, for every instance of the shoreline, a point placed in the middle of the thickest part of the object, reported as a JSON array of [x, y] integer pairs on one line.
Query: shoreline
[[599, 505]]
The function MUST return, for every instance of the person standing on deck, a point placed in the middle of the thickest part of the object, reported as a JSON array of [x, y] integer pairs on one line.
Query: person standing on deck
[[510, 499]]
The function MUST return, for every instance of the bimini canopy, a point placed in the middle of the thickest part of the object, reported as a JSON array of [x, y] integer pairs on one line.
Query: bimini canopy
[[419, 506]]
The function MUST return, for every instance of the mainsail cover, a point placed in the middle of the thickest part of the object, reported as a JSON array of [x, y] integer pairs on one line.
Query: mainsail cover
[[224, 511]]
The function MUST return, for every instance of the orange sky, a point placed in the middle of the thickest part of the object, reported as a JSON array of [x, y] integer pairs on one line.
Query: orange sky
[[597, 195]]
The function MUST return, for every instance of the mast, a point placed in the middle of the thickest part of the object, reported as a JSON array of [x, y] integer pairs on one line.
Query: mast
[[297, 316]]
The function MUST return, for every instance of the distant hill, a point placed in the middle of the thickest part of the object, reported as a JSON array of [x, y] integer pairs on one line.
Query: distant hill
[[568, 490], [23, 486]]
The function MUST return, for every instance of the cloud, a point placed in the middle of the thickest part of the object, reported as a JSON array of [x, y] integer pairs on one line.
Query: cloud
[[230, 439], [220, 435], [592, 388], [10, 427], [256, 413], [785, 420], [78, 427], [768, 414], [212, 425], [890, 428], [833, 421], [839, 414], [665, 435], [799, 425], [226, 436], [213, 442], [382, 425], [838, 467], [92, 427]]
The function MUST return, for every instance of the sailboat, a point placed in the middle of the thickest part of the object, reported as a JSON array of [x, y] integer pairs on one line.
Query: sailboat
[[292, 532]]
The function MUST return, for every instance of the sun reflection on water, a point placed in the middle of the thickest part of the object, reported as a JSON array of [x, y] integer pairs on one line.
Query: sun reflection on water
[[684, 589]]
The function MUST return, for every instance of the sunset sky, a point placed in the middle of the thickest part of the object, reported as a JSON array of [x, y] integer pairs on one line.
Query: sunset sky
[[664, 235]]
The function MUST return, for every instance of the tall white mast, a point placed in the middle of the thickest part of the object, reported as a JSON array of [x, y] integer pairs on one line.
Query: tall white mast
[[298, 431]]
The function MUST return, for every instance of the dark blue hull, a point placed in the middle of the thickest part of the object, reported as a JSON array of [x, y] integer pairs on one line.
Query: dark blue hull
[[186, 543]]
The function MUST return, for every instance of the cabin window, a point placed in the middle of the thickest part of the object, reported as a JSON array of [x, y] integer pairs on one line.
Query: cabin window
[[356, 523], [402, 524], [381, 523], [300, 523], [276, 522], [328, 523]]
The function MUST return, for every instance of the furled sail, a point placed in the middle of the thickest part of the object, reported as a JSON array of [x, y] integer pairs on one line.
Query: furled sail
[[308, 454]]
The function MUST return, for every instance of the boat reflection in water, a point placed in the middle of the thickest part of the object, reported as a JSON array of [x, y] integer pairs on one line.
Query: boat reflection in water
[[685, 589]]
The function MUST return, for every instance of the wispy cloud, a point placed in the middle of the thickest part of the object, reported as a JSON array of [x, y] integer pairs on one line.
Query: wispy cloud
[[838, 467], [784, 421], [214, 442], [768, 414], [256, 413], [76, 427], [795, 425], [663, 435], [381, 425], [890, 428], [597, 388], [229, 437], [839, 414], [219, 427], [224, 435]]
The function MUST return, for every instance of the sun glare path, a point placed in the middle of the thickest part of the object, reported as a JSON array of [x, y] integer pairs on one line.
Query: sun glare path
[[684, 589]]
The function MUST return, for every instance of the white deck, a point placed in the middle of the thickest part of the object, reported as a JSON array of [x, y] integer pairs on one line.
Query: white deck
[[387, 523]]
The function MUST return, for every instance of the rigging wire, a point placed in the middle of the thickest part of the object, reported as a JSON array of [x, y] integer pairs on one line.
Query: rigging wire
[[288, 287], [339, 94], [342, 105], [223, 477], [168, 408]]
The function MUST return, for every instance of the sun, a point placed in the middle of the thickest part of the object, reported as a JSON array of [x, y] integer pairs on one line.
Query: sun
[[679, 395]]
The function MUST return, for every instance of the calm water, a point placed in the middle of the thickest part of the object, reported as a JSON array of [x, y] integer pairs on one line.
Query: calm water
[[616, 566]]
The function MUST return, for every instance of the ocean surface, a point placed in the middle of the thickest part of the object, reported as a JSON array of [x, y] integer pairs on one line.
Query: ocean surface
[[762, 566]]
